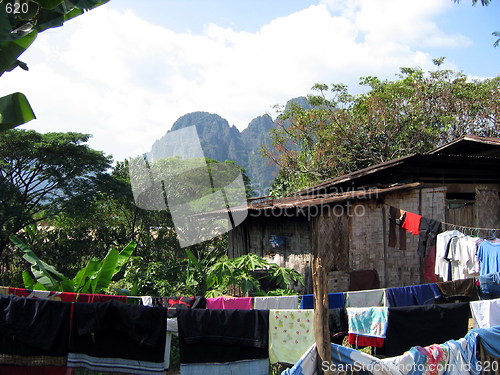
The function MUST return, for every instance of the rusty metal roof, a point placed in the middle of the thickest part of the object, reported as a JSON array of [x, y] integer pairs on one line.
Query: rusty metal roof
[[301, 201], [470, 145]]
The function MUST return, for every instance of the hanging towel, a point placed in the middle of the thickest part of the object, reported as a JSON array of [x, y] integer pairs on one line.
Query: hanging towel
[[335, 301], [486, 313], [424, 325], [230, 303], [291, 334], [276, 303], [425, 293], [249, 366], [33, 332], [401, 296], [118, 337], [222, 336], [368, 321], [367, 298]]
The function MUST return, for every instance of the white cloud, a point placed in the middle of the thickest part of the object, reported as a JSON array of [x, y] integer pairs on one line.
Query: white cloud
[[126, 81]]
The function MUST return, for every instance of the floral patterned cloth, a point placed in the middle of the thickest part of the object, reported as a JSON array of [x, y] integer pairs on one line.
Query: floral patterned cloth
[[291, 334]]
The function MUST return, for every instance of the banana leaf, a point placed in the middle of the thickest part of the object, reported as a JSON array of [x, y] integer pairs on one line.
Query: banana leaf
[[14, 110]]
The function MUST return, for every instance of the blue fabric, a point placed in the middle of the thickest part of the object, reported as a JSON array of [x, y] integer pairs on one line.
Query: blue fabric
[[335, 301], [426, 293], [401, 296], [413, 295], [490, 339], [489, 286]]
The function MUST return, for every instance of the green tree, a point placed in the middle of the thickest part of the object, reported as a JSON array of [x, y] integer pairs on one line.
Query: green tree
[[342, 132], [42, 174]]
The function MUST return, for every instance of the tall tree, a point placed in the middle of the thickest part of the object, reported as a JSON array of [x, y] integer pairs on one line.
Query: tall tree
[[40, 174], [344, 132]]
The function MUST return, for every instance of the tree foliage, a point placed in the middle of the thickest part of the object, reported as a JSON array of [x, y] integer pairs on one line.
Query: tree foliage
[[205, 270], [341, 132], [42, 174]]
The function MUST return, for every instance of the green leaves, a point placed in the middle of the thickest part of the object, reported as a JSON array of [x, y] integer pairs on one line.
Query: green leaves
[[224, 274], [95, 277], [14, 110], [339, 133], [44, 274]]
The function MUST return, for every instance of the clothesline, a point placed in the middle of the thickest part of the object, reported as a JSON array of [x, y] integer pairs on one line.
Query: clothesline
[[465, 227], [454, 225]]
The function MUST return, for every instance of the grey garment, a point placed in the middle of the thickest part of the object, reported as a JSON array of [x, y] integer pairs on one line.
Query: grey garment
[[367, 298], [276, 303]]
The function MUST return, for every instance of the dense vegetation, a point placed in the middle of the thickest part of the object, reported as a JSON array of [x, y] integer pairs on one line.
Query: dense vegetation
[[338, 132]]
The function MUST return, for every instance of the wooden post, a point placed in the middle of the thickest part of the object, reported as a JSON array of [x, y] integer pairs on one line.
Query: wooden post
[[321, 259], [321, 328]]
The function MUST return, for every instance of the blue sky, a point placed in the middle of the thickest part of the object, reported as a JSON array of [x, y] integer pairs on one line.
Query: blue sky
[[126, 71]]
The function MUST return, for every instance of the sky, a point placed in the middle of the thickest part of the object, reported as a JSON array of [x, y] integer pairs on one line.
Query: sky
[[124, 72]]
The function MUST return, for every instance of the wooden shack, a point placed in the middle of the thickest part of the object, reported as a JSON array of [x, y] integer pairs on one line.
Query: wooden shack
[[345, 219]]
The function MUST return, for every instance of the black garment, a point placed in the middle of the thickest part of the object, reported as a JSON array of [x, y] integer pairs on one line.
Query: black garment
[[395, 221], [208, 336], [118, 330], [429, 229], [30, 328], [338, 325], [424, 325]]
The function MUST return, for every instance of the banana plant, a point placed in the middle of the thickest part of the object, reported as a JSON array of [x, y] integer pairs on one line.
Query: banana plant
[[95, 277]]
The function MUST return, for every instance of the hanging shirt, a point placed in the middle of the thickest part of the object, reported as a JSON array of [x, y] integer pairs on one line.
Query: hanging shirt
[[412, 223], [442, 267], [489, 257], [455, 258], [468, 262]]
